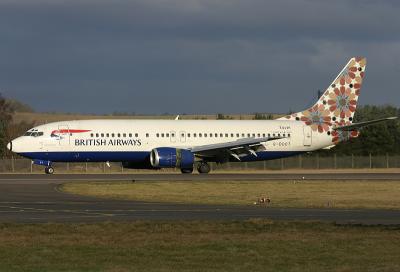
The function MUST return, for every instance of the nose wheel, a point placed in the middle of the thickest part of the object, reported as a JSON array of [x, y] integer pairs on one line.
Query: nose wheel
[[203, 168], [49, 170]]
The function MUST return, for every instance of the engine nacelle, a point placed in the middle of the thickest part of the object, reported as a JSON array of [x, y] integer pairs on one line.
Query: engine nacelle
[[168, 157]]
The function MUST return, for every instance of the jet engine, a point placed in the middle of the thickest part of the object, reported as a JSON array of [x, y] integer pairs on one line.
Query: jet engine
[[168, 157]]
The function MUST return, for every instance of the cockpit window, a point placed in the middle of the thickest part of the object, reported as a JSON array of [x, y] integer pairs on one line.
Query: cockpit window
[[33, 133]]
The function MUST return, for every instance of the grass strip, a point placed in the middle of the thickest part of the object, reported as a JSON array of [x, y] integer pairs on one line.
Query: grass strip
[[253, 245], [297, 194]]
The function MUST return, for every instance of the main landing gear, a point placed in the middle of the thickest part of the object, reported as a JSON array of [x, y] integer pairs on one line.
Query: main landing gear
[[203, 167], [49, 170]]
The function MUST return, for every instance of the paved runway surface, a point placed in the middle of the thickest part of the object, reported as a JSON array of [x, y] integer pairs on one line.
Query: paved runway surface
[[36, 198]]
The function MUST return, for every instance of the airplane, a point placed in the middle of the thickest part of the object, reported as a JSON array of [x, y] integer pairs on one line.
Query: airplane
[[189, 144]]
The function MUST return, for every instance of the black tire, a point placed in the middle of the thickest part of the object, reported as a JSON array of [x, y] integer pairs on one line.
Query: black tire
[[204, 168], [187, 171], [49, 170]]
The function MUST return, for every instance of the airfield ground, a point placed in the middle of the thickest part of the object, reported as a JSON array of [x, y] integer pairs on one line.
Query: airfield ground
[[45, 229]]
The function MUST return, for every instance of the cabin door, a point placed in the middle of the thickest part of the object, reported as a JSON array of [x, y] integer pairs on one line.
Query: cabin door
[[307, 136], [64, 135]]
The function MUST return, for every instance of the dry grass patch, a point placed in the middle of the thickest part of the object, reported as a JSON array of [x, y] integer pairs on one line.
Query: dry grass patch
[[338, 194]]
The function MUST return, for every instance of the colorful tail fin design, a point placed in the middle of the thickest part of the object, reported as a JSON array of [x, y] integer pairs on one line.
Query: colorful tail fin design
[[337, 105]]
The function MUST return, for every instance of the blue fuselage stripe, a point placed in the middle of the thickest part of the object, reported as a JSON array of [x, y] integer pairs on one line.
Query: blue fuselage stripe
[[137, 156]]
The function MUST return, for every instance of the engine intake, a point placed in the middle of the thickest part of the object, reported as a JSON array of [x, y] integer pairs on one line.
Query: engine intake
[[168, 157]]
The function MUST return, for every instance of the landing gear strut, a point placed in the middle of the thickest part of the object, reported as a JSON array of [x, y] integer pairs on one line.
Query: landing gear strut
[[49, 170], [203, 168]]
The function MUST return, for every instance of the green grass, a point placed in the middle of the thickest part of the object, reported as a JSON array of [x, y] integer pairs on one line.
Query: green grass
[[309, 194], [254, 245]]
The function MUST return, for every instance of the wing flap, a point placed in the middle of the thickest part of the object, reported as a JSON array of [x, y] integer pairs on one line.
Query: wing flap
[[232, 145], [222, 151]]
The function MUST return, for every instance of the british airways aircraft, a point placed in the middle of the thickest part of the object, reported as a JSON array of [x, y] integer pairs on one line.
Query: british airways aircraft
[[188, 144]]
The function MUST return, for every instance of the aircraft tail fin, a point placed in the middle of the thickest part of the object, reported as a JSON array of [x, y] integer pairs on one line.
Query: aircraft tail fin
[[337, 105]]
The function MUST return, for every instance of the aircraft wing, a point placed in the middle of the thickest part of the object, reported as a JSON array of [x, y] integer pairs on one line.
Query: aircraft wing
[[356, 126], [236, 149]]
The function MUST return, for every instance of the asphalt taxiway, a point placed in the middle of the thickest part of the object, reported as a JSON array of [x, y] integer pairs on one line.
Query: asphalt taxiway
[[37, 198]]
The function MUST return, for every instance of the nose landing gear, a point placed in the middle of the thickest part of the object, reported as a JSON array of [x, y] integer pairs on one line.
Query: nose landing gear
[[48, 169]]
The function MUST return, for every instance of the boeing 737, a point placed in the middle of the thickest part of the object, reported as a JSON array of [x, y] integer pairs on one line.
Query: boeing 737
[[189, 144]]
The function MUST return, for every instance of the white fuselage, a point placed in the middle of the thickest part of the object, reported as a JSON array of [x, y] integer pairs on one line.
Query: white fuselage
[[132, 140]]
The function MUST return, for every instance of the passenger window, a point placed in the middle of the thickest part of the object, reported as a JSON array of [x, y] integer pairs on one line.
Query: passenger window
[[157, 135], [194, 135], [97, 135], [147, 135], [167, 135], [136, 135], [279, 135], [130, 135], [91, 135], [243, 135], [188, 135], [200, 135], [269, 135], [226, 135], [258, 135], [211, 134], [221, 135], [162, 135], [112, 135], [107, 135], [124, 135], [216, 134], [254, 135], [237, 135], [232, 135], [263, 135], [288, 135], [248, 134], [205, 135]]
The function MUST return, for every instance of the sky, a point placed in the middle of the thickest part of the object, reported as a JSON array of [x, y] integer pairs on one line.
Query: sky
[[193, 56]]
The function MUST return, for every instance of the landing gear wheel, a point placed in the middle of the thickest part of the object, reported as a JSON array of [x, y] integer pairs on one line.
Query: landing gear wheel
[[203, 168], [49, 170], [187, 171]]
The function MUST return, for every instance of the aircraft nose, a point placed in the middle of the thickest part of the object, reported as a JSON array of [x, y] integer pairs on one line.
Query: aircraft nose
[[9, 146]]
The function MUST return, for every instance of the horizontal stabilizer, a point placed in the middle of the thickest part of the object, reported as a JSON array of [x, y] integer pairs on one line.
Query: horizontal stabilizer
[[356, 126]]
